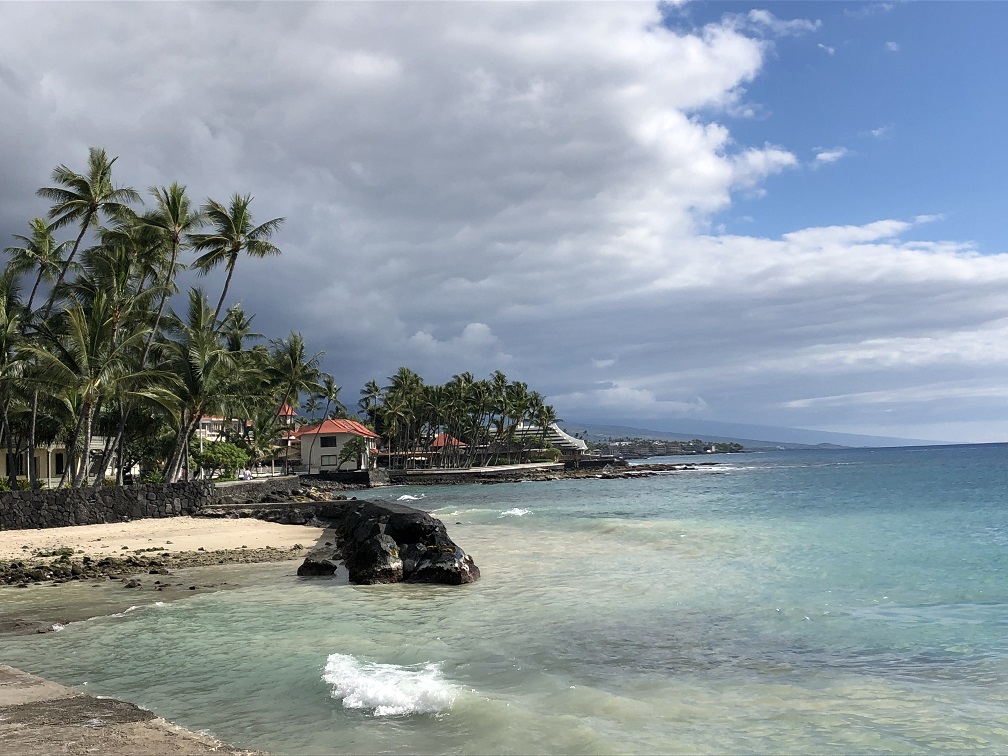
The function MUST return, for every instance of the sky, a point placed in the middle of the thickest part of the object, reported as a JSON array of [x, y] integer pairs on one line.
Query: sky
[[784, 214]]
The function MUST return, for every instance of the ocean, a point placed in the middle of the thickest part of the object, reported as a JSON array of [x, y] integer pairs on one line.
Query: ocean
[[792, 601]]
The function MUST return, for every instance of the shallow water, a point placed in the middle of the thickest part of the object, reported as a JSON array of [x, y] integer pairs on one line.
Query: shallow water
[[795, 601]]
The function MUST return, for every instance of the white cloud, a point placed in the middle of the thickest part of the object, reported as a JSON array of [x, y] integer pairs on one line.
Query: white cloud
[[528, 187], [881, 132], [827, 49], [892, 46], [825, 157], [867, 10], [765, 20]]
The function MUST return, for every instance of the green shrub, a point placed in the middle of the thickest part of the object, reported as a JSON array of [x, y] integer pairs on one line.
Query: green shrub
[[153, 477], [223, 456]]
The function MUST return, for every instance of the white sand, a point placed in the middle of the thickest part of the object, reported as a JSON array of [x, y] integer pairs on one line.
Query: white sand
[[172, 534]]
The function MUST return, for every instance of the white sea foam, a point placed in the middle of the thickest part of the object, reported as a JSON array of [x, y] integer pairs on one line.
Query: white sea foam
[[388, 689], [407, 497], [515, 512], [57, 627]]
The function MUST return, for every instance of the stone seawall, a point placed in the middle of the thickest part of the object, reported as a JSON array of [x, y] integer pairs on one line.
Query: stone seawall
[[256, 490], [23, 510], [499, 474]]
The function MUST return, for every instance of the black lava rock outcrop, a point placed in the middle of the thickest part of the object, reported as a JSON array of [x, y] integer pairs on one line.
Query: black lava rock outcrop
[[389, 543]]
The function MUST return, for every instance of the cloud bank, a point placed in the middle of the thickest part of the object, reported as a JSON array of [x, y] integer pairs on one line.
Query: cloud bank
[[533, 188]]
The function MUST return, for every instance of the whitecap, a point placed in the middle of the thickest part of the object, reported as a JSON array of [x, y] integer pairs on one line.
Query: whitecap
[[57, 627], [407, 497], [388, 689], [515, 512]]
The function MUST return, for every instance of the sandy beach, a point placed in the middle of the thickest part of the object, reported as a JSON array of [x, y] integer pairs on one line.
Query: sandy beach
[[171, 534]]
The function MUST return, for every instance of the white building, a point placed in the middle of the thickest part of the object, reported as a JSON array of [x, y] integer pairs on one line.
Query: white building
[[321, 446]]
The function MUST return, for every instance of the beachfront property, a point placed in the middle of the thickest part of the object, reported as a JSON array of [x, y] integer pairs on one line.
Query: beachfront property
[[571, 449], [50, 461], [211, 428], [319, 446]]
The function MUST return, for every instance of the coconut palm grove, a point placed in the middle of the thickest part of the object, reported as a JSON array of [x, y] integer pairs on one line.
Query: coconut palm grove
[[104, 358]]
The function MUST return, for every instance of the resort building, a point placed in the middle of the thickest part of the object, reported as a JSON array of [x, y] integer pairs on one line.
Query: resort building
[[322, 444], [211, 428], [571, 449]]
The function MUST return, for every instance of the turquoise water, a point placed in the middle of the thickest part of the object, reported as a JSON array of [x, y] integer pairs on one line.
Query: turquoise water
[[790, 601]]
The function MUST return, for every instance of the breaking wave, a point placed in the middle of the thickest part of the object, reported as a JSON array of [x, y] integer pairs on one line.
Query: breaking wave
[[388, 690]]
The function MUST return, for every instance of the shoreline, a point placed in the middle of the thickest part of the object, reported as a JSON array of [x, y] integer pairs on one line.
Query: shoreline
[[178, 556], [150, 560], [39, 717], [134, 563]]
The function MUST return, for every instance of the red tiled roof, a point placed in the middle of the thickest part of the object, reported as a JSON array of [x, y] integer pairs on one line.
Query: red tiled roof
[[286, 411], [443, 439], [330, 427]]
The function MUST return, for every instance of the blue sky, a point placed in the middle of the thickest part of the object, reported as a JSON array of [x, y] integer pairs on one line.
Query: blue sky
[[781, 214], [911, 95]]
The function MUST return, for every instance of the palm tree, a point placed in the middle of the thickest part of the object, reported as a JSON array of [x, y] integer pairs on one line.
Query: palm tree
[[237, 328], [265, 436], [329, 391], [234, 232], [202, 364], [292, 371], [11, 366], [371, 395], [40, 251], [90, 355], [81, 198], [172, 218]]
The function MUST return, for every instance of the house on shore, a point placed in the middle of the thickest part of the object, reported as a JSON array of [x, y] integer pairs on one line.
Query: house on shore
[[320, 446], [50, 462]]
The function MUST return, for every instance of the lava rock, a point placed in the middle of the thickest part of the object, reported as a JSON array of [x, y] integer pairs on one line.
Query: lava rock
[[389, 542]]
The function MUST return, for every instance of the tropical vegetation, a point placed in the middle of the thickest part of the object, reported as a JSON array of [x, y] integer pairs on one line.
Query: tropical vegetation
[[102, 355], [92, 348], [462, 423]]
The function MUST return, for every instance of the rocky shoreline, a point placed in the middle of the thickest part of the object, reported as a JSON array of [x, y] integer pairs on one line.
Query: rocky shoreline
[[63, 568], [39, 717]]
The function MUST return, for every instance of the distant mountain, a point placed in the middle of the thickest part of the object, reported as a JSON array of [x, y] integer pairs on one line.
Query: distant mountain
[[750, 436]]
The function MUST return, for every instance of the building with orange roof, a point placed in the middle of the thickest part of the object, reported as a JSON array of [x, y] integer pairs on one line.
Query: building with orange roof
[[321, 446]]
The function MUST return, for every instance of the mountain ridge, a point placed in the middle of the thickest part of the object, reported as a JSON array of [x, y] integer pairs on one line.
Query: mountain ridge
[[750, 436]]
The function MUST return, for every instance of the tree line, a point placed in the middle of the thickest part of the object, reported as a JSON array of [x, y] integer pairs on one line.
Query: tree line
[[462, 423], [90, 345]]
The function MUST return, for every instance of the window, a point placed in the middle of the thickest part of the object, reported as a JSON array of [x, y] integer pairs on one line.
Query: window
[[60, 463], [329, 460], [328, 442]]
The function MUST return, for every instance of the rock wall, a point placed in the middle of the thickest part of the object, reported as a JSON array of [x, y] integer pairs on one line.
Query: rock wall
[[22, 510], [257, 491]]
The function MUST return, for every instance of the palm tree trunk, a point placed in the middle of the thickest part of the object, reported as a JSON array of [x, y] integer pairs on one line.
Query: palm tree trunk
[[11, 474], [32, 473], [66, 264], [86, 417], [227, 283]]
